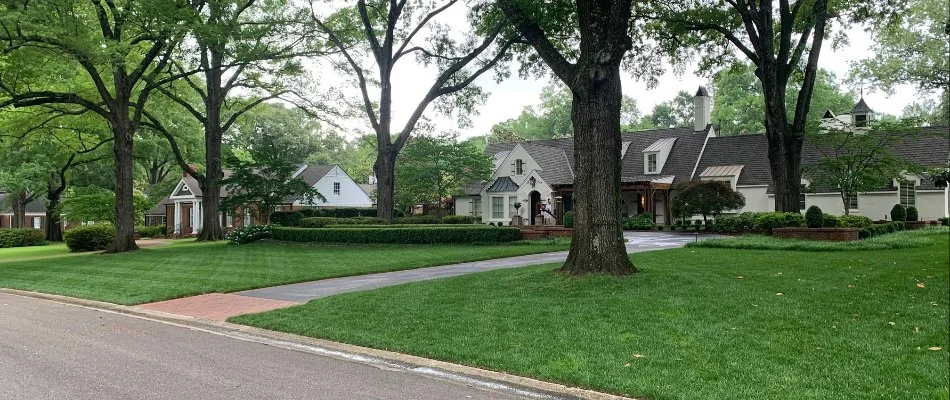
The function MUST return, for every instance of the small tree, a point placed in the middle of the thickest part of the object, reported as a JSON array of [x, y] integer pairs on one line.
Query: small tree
[[898, 213], [705, 198], [814, 217], [855, 161], [264, 177]]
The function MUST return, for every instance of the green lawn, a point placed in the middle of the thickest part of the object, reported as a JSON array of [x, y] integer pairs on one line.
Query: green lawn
[[695, 324], [189, 268], [32, 252]]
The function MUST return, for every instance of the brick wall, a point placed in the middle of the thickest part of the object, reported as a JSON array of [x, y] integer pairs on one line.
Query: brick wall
[[836, 234]]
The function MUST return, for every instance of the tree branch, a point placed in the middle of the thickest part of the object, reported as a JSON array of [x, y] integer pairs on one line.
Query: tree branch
[[533, 33]]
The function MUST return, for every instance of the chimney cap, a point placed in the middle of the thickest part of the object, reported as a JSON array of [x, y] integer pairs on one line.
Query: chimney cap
[[702, 92]]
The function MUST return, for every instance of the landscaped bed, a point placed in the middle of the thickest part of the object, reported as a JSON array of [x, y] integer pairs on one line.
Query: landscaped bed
[[696, 323], [896, 240], [185, 269]]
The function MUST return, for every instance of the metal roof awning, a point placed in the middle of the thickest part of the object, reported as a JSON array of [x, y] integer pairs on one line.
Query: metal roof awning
[[722, 170]]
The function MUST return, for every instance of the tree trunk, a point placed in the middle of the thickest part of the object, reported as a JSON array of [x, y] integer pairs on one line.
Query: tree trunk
[[19, 211], [210, 185], [54, 232], [597, 245], [124, 205], [846, 201], [385, 169], [784, 145]]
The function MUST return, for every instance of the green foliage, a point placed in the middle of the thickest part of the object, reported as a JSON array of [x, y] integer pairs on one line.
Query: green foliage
[[854, 221], [419, 235], [342, 212], [828, 221], [417, 219], [21, 237], [248, 234], [670, 114], [286, 218], [151, 231], [944, 221], [911, 214], [98, 205], [458, 219], [431, 168], [89, 238], [642, 222], [881, 229], [898, 213], [706, 198], [569, 219], [320, 222], [390, 226], [814, 217], [883, 241], [758, 222]]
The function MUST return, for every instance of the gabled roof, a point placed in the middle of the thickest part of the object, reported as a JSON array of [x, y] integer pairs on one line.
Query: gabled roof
[[313, 173], [750, 151], [556, 168], [660, 145], [159, 208], [37, 206], [503, 184]]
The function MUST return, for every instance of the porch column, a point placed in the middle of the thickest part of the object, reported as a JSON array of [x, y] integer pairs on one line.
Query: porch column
[[194, 213], [669, 216], [650, 206], [199, 216], [178, 217]]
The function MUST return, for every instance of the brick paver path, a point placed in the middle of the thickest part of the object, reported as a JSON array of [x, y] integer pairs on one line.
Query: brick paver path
[[217, 306]]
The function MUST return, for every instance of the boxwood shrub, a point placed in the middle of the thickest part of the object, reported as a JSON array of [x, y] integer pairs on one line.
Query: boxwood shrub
[[854, 221], [642, 222], [814, 217], [89, 238], [829, 221], [881, 229], [765, 222], [458, 219], [390, 226], [912, 214], [418, 219], [20, 237], [898, 213], [944, 221], [569, 219], [414, 235]]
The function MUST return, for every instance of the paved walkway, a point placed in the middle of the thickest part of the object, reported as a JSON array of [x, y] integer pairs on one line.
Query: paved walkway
[[222, 306]]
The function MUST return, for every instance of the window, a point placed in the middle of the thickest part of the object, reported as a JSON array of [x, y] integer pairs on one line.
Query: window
[[860, 120], [228, 220], [651, 162], [247, 218], [801, 198], [853, 203], [477, 207], [498, 207], [336, 188], [37, 222], [511, 206], [908, 194], [519, 167]]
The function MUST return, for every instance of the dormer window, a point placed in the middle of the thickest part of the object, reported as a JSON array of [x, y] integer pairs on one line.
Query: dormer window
[[651, 163], [519, 167], [860, 120]]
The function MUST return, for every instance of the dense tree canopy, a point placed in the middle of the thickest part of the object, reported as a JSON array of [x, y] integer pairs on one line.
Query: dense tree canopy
[[432, 168]]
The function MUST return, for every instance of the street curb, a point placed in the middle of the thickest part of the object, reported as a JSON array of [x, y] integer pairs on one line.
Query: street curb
[[483, 378]]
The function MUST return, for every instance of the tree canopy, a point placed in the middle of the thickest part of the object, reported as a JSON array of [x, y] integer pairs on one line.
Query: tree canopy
[[432, 168]]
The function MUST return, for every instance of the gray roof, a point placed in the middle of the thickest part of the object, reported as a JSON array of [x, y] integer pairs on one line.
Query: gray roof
[[503, 184], [861, 108], [314, 173], [159, 208], [702, 92], [37, 206], [556, 168], [750, 151], [472, 189]]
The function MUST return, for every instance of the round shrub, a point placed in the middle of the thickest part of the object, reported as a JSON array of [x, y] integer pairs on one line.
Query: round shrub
[[89, 238], [854, 221], [829, 221], [569, 219], [898, 213], [248, 234], [912, 214], [21, 237], [814, 217]]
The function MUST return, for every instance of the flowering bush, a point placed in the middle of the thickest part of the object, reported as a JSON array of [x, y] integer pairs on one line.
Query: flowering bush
[[248, 234]]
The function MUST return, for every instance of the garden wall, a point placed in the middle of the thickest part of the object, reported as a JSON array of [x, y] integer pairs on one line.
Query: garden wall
[[835, 234], [543, 232]]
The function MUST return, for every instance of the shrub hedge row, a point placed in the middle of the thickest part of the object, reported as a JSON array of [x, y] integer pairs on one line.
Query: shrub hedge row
[[248, 234], [944, 221], [150, 231], [458, 219], [418, 219], [320, 222], [880, 229], [89, 238], [758, 222], [642, 222], [20, 237], [854, 221], [390, 226], [413, 235]]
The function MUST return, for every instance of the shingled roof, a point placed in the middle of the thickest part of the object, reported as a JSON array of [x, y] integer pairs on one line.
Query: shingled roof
[[37, 206]]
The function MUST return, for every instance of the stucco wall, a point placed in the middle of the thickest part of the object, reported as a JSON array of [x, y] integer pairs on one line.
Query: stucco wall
[[756, 199], [877, 205], [931, 204]]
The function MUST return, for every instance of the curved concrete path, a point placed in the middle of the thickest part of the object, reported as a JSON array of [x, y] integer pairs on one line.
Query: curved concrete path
[[218, 306]]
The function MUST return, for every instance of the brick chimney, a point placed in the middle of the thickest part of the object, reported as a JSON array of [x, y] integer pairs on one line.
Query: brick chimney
[[184, 174]]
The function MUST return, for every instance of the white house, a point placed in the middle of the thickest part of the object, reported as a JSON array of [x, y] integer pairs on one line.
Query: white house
[[183, 208], [653, 162]]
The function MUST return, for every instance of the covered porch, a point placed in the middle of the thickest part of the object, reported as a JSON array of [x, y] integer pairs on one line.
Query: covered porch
[[635, 198]]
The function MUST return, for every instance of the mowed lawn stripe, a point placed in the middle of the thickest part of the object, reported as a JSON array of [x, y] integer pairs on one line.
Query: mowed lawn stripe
[[179, 270], [696, 323]]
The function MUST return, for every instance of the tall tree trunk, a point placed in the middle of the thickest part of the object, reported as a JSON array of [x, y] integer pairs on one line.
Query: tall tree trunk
[[54, 231], [210, 186], [385, 169], [784, 145], [597, 244], [124, 205], [19, 211]]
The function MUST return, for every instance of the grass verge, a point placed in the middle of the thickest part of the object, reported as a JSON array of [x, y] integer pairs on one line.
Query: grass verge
[[696, 323], [896, 240], [31, 252], [187, 269]]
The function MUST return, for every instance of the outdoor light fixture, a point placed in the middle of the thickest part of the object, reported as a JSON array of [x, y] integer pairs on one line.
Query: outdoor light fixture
[[532, 181]]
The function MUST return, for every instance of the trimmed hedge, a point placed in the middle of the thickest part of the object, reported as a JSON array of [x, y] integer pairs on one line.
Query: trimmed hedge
[[151, 231], [21, 237], [248, 234], [286, 218], [89, 238], [758, 222], [340, 212], [912, 214], [413, 235], [458, 219], [320, 222], [881, 229], [642, 222], [814, 218], [569, 219], [944, 221], [420, 219], [898, 213], [390, 226], [829, 221], [854, 221]]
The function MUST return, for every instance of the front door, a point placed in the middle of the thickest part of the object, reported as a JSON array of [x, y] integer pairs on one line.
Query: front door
[[186, 219], [535, 206]]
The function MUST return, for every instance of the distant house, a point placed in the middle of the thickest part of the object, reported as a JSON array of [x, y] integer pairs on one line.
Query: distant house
[[35, 216], [181, 212], [539, 174]]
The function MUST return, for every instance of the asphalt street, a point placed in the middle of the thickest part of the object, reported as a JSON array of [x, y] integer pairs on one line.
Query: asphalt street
[[50, 350]]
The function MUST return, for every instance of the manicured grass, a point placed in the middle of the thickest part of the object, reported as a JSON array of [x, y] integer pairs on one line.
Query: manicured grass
[[896, 240], [185, 269], [22, 253], [695, 324]]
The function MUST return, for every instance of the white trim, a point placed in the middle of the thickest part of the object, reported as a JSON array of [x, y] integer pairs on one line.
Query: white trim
[[299, 170], [178, 188], [711, 133], [753, 186]]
